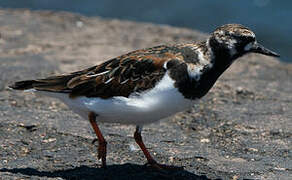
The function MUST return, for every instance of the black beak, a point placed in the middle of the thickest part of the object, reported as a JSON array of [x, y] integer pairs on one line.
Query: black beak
[[258, 48]]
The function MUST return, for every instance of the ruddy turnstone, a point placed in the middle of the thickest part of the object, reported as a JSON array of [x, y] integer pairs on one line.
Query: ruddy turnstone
[[146, 85]]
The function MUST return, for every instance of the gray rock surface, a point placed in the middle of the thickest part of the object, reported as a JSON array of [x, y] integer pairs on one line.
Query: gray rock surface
[[240, 130]]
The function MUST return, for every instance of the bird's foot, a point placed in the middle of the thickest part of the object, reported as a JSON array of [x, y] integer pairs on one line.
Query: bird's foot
[[102, 153]]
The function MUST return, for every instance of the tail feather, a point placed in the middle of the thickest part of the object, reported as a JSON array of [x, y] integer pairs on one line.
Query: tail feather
[[23, 85], [54, 83]]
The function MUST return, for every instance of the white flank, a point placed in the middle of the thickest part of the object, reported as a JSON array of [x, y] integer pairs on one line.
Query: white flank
[[160, 102]]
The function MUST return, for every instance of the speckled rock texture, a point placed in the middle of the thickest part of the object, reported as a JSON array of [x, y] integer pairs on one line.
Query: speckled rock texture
[[241, 130]]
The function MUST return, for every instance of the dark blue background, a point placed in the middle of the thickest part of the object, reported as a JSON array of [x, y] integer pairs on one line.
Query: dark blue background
[[270, 19]]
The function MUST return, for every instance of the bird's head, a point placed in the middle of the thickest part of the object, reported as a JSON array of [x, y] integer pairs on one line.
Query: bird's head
[[234, 40]]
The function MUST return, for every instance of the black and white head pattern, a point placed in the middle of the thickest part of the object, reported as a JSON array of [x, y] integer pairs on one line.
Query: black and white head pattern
[[233, 39]]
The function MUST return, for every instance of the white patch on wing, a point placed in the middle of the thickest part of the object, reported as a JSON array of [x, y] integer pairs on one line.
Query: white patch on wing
[[160, 102], [109, 80], [123, 82], [94, 75]]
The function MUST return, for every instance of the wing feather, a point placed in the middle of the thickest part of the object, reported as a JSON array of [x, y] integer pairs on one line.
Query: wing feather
[[133, 72]]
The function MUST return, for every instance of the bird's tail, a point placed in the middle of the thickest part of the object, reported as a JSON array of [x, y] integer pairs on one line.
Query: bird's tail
[[53, 84], [23, 85]]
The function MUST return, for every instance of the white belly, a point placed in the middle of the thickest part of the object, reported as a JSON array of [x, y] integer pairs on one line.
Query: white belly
[[162, 101]]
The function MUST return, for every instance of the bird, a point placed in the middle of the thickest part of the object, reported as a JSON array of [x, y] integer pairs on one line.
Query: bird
[[146, 85]]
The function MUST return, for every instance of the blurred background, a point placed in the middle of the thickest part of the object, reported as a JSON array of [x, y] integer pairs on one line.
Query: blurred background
[[271, 20]]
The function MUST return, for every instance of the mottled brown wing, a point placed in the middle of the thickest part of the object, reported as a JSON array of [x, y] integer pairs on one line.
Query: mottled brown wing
[[133, 72]]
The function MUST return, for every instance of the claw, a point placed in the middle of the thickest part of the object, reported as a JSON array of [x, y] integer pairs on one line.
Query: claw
[[151, 162], [101, 141], [94, 140], [102, 152]]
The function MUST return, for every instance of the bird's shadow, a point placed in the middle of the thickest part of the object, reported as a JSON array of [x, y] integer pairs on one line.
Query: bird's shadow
[[121, 172]]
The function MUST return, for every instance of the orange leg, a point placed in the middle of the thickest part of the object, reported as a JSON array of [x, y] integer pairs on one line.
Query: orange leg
[[139, 141], [101, 141], [151, 161]]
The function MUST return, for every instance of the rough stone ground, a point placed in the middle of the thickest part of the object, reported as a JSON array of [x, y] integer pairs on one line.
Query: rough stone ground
[[241, 130]]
